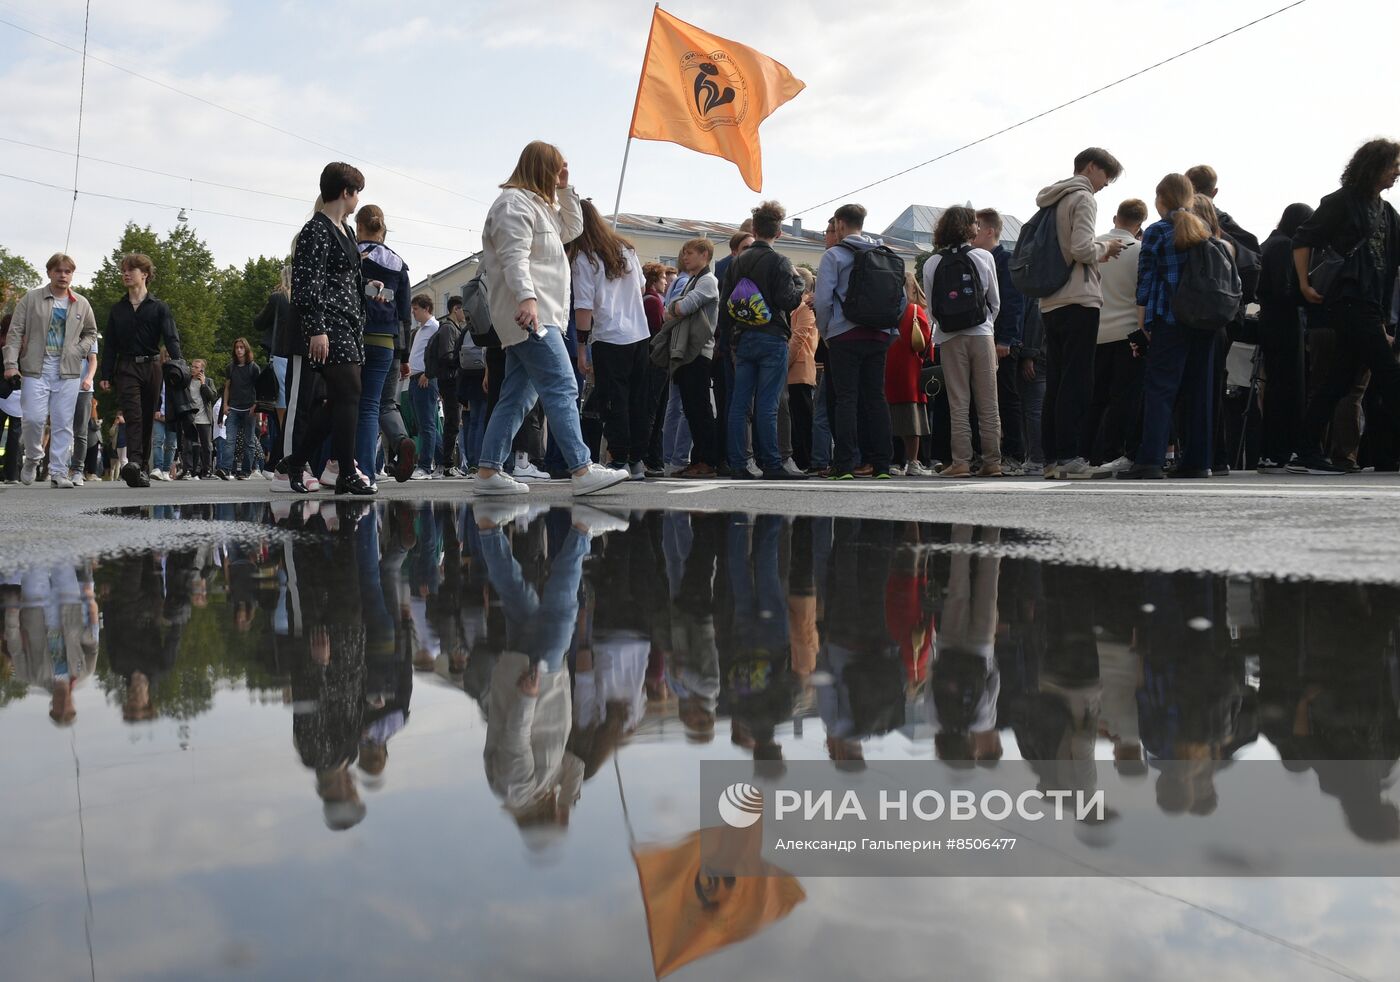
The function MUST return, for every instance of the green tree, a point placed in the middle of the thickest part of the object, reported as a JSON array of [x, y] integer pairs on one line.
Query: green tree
[[242, 294], [16, 276], [185, 278]]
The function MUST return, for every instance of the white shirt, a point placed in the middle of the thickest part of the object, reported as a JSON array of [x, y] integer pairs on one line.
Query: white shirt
[[421, 337], [987, 270], [220, 428], [1118, 317], [618, 314]]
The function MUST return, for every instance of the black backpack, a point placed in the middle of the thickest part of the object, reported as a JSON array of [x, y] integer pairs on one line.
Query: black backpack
[[1208, 293], [1038, 266], [875, 291], [957, 297], [440, 360]]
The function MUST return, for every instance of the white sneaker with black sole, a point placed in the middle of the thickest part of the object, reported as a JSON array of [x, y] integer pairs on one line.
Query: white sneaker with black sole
[[1114, 466]]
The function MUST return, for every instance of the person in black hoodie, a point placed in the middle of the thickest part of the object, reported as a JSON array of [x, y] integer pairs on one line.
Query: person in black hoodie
[[1281, 340], [1362, 232]]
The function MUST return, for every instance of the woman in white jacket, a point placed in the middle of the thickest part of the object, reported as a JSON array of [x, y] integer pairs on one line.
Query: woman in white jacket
[[527, 279]]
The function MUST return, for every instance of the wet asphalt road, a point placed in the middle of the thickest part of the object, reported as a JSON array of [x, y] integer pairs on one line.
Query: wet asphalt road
[[1340, 528]]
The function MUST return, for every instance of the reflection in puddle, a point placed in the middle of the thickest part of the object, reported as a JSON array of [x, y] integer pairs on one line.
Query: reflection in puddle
[[592, 646]]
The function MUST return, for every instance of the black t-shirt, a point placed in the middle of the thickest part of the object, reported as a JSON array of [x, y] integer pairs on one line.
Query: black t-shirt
[[242, 385]]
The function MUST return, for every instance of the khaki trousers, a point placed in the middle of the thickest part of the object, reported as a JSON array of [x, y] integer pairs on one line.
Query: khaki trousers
[[970, 372]]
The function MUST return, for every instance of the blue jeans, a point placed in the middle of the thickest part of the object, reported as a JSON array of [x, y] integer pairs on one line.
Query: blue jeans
[[676, 443], [542, 624], [473, 429], [760, 372], [163, 444], [537, 369], [378, 361], [425, 408], [240, 424]]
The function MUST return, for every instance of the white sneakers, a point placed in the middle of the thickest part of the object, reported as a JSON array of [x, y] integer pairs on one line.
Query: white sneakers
[[62, 482], [27, 472], [1114, 466], [637, 471], [419, 474], [597, 478], [917, 469], [593, 523], [526, 471], [790, 467], [331, 474], [499, 483], [159, 475]]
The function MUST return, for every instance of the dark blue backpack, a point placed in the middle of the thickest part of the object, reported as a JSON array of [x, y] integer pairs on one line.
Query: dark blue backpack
[[1038, 266], [1209, 292]]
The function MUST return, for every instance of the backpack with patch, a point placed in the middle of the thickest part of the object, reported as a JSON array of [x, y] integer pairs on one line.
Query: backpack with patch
[[957, 298], [875, 292], [476, 304], [1038, 266], [1208, 293], [440, 360], [747, 305]]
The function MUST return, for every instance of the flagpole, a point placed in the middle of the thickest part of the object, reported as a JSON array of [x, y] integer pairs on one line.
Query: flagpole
[[636, 103], [622, 177]]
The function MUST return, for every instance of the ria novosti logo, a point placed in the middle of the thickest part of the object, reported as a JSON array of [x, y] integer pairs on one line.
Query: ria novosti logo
[[741, 805]]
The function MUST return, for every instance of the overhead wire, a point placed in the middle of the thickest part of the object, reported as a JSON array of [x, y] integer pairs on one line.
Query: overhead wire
[[240, 114], [215, 184], [78, 149], [1054, 109], [199, 211]]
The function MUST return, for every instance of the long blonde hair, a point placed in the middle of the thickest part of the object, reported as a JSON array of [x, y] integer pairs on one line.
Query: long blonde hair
[[537, 170], [913, 291], [1177, 195]]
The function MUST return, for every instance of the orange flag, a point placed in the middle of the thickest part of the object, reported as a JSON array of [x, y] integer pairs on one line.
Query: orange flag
[[708, 93], [691, 914]]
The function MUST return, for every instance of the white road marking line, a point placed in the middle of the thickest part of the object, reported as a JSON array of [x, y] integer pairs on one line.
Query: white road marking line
[[1168, 489]]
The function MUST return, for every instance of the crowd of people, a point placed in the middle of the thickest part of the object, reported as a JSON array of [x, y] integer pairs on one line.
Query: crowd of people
[[575, 631], [1078, 354]]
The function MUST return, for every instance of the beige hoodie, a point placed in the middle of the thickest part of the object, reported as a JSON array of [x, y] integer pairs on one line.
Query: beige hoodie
[[1075, 216]]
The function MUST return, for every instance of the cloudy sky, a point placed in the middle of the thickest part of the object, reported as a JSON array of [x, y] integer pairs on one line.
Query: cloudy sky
[[434, 99]]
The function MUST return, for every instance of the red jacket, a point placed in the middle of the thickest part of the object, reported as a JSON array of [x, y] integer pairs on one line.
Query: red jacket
[[902, 364]]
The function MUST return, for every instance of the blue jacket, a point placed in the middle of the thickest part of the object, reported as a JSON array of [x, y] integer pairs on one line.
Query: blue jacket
[[379, 262], [1013, 306], [833, 281]]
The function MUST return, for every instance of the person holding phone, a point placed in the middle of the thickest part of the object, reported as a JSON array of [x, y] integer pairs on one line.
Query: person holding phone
[[527, 276], [328, 294]]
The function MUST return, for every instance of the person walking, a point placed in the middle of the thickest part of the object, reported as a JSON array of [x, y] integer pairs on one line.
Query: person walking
[[527, 275], [137, 326], [613, 336], [236, 411], [51, 334], [328, 294]]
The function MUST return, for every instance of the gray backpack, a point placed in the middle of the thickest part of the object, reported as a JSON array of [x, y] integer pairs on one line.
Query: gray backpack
[[1209, 292], [1038, 267], [476, 304]]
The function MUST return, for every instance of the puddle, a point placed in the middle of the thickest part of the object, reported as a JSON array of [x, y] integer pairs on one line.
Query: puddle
[[411, 737]]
